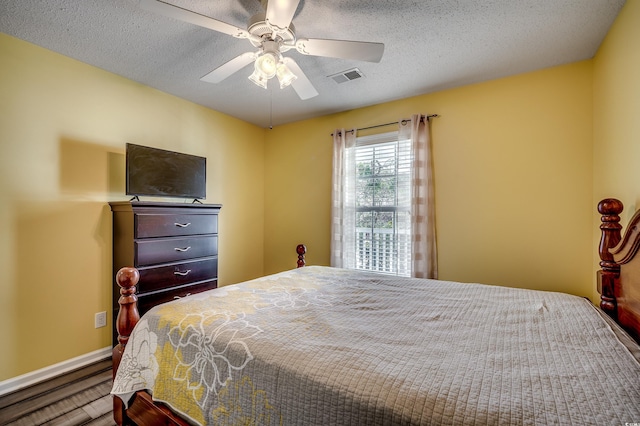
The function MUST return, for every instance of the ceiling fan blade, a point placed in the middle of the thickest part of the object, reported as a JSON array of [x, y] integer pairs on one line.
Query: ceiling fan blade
[[359, 50], [226, 69], [185, 15], [280, 13], [301, 85]]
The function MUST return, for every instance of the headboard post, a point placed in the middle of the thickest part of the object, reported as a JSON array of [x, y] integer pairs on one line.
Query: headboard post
[[128, 317], [610, 209], [301, 250]]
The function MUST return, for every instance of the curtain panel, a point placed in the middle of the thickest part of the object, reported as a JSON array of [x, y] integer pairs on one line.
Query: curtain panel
[[343, 237], [424, 257]]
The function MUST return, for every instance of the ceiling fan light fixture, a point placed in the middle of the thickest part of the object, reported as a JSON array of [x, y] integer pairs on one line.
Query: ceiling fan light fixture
[[285, 75]]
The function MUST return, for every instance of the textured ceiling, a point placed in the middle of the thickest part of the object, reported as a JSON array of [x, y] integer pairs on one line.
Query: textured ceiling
[[430, 45]]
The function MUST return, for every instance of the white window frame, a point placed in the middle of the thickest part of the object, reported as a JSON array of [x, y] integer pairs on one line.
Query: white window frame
[[377, 249]]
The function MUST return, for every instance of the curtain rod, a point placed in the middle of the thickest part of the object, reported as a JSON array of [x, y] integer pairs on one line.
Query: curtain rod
[[403, 121]]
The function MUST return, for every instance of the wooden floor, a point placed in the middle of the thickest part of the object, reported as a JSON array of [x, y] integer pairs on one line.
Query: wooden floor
[[80, 397]]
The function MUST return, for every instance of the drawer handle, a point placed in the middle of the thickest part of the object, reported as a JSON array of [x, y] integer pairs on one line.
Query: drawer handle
[[180, 249], [181, 297], [182, 225], [182, 274]]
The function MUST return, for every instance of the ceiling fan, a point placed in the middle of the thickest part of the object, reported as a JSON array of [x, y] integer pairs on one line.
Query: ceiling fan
[[273, 33]]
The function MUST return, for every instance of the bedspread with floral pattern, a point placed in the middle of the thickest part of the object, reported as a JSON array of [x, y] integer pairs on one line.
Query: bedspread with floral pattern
[[324, 346]]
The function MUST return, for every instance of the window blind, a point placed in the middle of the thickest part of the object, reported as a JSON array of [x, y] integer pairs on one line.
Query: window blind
[[381, 172]]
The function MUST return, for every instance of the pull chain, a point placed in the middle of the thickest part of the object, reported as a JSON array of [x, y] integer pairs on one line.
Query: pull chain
[[270, 109]]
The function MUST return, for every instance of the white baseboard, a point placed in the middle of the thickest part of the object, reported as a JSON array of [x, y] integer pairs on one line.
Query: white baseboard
[[17, 383]]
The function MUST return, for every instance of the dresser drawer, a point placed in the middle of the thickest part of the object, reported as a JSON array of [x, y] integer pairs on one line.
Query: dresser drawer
[[148, 301], [177, 274], [163, 250], [170, 225]]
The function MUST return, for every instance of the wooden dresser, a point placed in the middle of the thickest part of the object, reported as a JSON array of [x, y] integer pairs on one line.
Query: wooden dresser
[[173, 245]]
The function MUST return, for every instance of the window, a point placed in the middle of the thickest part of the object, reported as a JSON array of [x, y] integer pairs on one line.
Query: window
[[380, 167], [382, 201]]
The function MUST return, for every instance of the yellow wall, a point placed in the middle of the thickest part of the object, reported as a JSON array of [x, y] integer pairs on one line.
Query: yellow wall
[[617, 112], [513, 173], [63, 129]]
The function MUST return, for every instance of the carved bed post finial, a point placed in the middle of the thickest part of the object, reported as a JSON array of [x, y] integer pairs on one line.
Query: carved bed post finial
[[301, 250], [128, 317], [610, 210]]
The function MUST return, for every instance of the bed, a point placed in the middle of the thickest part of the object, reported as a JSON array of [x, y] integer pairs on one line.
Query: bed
[[318, 346]]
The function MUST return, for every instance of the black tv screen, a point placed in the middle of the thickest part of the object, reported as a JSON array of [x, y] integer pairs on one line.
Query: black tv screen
[[161, 173]]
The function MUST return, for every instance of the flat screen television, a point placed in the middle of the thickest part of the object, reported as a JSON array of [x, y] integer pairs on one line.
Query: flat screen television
[[160, 173]]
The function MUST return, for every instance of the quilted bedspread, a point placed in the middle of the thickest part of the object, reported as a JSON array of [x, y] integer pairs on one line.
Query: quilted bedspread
[[326, 346]]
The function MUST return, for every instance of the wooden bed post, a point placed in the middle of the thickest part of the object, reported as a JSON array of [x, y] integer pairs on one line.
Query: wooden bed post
[[128, 317], [301, 250], [610, 209]]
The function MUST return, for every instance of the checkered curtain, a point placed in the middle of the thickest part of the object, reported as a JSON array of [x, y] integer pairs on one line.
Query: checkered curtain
[[423, 225]]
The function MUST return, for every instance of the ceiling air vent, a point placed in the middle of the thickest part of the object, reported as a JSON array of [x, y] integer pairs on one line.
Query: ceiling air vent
[[348, 75]]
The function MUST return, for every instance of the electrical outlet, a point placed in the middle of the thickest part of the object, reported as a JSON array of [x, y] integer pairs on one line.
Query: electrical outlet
[[101, 319]]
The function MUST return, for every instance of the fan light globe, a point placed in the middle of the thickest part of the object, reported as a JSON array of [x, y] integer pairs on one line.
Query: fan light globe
[[259, 78], [266, 64], [285, 76]]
